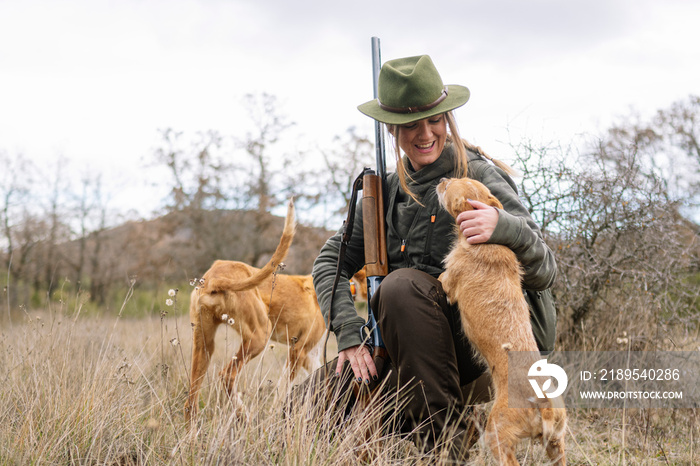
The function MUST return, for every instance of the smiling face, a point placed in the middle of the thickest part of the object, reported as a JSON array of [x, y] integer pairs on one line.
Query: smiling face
[[422, 141]]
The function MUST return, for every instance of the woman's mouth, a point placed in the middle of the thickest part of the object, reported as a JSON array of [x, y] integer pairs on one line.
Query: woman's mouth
[[425, 147]]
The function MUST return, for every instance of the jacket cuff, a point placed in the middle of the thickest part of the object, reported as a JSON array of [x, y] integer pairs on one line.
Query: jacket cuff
[[349, 335], [507, 231]]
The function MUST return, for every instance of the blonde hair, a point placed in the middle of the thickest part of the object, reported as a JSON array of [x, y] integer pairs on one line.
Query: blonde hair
[[461, 158]]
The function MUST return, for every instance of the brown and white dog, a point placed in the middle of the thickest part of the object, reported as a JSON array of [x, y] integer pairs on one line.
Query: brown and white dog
[[259, 304], [485, 282]]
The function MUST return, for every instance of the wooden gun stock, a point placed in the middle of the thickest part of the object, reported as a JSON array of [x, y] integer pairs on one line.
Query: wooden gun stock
[[373, 225]]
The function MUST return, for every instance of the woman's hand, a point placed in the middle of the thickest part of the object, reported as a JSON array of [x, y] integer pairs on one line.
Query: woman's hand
[[361, 362], [478, 225]]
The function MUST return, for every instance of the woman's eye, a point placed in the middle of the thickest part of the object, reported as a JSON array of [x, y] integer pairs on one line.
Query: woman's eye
[[436, 120]]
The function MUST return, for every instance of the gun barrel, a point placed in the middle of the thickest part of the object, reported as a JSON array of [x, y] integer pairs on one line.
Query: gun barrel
[[378, 128]]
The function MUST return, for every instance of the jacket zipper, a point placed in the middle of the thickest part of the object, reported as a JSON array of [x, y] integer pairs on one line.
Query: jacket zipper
[[429, 238], [403, 252]]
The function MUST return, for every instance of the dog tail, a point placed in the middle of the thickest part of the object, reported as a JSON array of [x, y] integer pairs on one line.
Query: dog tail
[[223, 283]]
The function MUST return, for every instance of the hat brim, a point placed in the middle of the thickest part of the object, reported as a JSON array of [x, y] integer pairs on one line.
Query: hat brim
[[456, 97]]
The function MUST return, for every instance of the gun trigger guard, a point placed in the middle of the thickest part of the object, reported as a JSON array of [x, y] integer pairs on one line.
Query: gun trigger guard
[[368, 344]]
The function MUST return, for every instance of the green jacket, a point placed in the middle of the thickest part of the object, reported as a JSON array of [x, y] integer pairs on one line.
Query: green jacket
[[427, 232]]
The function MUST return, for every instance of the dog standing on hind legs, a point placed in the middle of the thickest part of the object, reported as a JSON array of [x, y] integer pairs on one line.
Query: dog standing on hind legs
[[484, 280], [260, 305]]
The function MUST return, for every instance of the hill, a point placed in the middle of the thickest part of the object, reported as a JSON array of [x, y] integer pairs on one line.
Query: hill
[[162, 252]]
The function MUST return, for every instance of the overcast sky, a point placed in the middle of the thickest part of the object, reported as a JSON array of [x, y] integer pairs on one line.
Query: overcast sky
[[94, 81]]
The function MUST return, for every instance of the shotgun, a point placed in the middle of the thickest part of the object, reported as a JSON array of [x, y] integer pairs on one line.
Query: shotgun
[[373, 221]]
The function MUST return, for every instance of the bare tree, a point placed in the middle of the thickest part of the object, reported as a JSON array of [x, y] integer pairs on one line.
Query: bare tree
[[88, 212], [58, 230], [197, 171], [275, 174], [351, 153], [269, 124], [680, 125], [99, 271], [669, 146], [623, 248], [19, 225], [15, 186], [28, 235]]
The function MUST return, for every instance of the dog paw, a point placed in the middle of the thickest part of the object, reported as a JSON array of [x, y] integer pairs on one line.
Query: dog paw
[[239, 407]]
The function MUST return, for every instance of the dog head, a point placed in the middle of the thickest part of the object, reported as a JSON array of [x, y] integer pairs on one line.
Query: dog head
[[454, 192]]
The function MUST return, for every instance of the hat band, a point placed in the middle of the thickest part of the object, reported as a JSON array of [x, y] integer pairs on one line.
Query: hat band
[[423, 108]]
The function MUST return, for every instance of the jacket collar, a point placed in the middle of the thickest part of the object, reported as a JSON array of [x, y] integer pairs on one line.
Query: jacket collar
[[421, 181]]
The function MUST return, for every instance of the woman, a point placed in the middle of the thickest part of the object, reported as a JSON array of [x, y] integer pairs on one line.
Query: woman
[[421, 330]]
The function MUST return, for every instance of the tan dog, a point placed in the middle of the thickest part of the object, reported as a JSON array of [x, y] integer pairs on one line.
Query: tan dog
[[260, 305], [484, 280]]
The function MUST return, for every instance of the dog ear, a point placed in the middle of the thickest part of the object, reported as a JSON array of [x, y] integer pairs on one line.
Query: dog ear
[[460, 205]]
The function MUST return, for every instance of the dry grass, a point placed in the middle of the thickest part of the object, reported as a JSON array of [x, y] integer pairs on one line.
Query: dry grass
[[109, 390]]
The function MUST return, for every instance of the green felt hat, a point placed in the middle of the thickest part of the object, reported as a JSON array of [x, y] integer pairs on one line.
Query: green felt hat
[[411, 89]]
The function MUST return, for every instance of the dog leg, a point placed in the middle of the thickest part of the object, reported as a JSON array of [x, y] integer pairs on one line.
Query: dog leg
[[553, 434], [556, 451], [504, 424], [228, 374], [294, 356], [499, 437], [253, 344], [298, 356], [203, 332]]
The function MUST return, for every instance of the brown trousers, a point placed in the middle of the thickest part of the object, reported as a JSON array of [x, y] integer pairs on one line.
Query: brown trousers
[[428, 351], [430, 360]]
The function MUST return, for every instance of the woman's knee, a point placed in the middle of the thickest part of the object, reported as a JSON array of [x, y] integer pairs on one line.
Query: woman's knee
[[409, 294], [406, 284]]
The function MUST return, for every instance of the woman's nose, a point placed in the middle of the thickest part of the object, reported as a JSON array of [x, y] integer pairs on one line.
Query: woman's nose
[[424, 129]]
